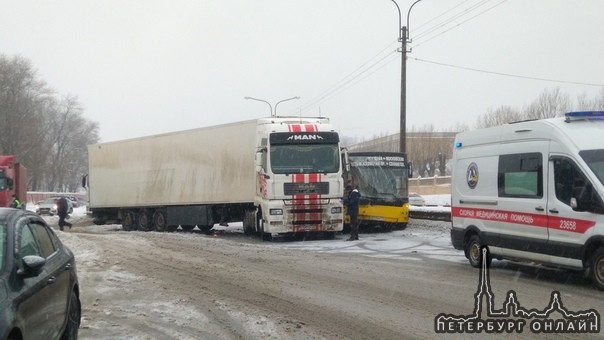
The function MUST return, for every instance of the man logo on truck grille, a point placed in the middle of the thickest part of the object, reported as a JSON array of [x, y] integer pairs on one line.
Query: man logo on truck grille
[[554, 318], [472, 175]]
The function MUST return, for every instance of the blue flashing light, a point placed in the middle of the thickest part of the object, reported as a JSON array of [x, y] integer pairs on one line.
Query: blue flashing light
[[585, 114], [458, 145]]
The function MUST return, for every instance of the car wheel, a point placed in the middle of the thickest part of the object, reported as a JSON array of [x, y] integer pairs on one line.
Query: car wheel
[[597, 268], [73, 320]]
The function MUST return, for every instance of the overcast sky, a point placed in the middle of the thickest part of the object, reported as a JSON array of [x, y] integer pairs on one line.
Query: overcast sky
[[142, 67]]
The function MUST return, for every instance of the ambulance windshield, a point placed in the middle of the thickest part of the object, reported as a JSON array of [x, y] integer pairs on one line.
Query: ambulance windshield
[[595, 161]]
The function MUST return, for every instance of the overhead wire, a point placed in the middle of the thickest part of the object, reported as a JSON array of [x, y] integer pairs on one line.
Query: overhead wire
[[461, 23], [368, 68], [506, 74], [346, 80], [455, 16]]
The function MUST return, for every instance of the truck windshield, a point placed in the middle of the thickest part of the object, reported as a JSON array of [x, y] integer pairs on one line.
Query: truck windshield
[[595, 161], [305, 158], [381, 181]]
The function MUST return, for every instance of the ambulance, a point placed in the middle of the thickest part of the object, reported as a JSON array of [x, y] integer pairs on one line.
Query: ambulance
[[532, 191]]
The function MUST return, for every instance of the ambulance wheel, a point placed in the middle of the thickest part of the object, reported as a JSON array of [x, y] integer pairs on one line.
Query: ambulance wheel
[[597, 268], [474, 252]]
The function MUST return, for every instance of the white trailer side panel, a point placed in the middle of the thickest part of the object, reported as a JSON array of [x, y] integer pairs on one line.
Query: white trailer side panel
[[201, 166]]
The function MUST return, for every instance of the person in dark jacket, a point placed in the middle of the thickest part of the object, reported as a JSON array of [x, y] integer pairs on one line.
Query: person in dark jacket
[[62, 211], [352, 202]]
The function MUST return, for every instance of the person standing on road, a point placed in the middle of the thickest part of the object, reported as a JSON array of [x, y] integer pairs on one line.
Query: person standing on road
[[352, 203], [62, 210], [16, 203]]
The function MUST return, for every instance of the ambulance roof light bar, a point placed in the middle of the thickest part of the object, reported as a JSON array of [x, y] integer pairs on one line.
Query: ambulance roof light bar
[[584, 115]]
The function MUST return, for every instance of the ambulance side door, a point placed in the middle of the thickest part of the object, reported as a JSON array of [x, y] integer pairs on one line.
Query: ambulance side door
[[523, 197], [568, 228]]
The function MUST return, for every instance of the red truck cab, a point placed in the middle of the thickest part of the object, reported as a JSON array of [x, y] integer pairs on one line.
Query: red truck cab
[[13, 181]]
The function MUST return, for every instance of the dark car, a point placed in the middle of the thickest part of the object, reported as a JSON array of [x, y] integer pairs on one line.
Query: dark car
[[39, 290]]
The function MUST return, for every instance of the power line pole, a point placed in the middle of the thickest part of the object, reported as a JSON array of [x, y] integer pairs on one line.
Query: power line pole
[[403, 38]]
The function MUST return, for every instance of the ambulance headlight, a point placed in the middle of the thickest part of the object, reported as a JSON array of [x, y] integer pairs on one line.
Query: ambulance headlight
[[336, 210], [276, 211]]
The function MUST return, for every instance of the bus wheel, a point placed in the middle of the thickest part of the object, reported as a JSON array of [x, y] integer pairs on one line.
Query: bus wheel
[[597, 268]]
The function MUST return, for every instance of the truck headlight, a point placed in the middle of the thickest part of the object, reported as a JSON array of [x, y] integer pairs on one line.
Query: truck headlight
[[276, 211], [336, 210]]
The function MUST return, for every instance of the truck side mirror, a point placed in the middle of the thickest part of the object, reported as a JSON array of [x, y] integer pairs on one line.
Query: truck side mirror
[[10, 183], [410, 169], [85, 181], [345, 162]]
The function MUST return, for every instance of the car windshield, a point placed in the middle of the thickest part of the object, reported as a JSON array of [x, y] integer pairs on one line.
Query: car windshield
[[595, 161], [2, 245], [49, 201]]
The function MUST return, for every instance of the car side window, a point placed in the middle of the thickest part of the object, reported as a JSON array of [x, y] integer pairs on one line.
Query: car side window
[[27, 243], [45, 242]]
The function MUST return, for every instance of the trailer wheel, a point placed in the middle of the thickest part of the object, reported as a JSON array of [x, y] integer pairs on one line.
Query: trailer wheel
[[159, 220], [596, 269], [128, 220], [144, 220]]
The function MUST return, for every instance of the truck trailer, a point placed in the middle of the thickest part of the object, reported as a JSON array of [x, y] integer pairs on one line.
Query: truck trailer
[[280, 176], [13, 180]]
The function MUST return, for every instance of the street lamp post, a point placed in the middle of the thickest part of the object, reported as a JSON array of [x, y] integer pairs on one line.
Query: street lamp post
[[269, 104], [261, 100], [284, 100], [404, 39]]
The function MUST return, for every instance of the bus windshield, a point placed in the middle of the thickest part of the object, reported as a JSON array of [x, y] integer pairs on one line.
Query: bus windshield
[[382, 182], [304, 158]]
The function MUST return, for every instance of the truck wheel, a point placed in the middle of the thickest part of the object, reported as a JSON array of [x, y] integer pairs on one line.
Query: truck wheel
[[473, 252], [159, 220], [144, 220], [128, 220], [596, 269]]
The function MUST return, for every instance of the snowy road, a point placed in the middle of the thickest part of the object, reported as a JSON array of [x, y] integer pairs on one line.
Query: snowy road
[[138, 285]]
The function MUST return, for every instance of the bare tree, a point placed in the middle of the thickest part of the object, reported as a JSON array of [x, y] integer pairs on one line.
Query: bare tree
[[49, 136], [503, 115], [429, 149], [551, 103]]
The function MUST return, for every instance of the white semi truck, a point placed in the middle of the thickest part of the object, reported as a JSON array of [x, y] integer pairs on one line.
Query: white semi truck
[[279, 175]]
